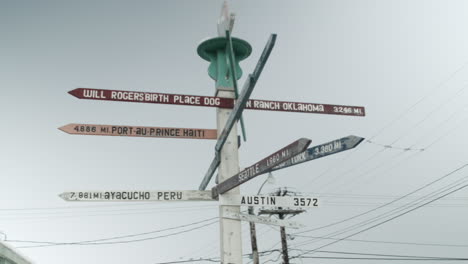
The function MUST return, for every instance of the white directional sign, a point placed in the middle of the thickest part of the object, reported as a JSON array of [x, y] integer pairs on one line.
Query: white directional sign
[[269, 201], [262, 220], [137, 196]]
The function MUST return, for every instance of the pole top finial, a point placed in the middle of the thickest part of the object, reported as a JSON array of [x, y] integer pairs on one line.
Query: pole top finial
[[225, 21]]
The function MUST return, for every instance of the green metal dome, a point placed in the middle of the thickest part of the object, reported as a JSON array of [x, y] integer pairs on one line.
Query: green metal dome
[[208, 48]]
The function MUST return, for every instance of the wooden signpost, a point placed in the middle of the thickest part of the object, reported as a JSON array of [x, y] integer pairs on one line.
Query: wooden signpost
[[262, 166], [139, 131], [224, 54], [136, 196]]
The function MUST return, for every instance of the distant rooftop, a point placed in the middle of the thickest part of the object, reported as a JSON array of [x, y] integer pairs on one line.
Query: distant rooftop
[[10, 256]]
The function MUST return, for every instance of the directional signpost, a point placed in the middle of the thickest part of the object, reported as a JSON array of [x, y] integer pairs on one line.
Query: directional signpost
[[212, 101], [262, 166], [262, 220], [269, 201], [224, 54], [226, 150], [139, 131], [136, 196]]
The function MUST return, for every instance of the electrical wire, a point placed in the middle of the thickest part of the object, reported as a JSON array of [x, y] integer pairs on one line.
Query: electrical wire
[[408, 205], [388, 220], [99, 241], [387, 242], [190, 260], [402, 115], [384, 215], [391, 202], [400, 198], [386, 259], [409, 109], [378, 255]]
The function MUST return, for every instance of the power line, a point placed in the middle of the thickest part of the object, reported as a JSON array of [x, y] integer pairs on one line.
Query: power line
[[387, 242], [404, 134], [139, 211], [386, 259], [400, 198], [98, 241], [367, 196], [379, 255], [88, 206], [409, 109], [402, 208], [388, 220], [386, 204], [190, 260], [393, 147]]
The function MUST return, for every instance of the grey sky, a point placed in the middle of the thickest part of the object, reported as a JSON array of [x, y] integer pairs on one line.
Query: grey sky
[[404, 61]]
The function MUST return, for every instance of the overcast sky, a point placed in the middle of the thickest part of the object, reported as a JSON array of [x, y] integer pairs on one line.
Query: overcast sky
[[405, 61]]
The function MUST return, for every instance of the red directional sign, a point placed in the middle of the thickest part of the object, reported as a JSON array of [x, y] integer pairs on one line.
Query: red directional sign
[[139, 131], [305, 107], [155, 98], [211, 101], [262, 166]]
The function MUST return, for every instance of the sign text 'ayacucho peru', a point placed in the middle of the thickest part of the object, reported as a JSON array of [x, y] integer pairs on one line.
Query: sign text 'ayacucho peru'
[[211, 101], [139, 131], [137, 196]]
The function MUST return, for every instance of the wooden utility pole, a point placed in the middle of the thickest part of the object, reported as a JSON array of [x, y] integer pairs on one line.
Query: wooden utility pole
[[281, 215], [253, 239], [284, 243]]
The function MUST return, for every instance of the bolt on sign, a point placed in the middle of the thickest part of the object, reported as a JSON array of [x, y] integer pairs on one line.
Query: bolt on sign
[[139, 131]]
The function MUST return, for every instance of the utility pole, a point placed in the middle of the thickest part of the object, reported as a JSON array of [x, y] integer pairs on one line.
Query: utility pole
[[284, 242], [253, 239], [281, 215], [253, 231], [214, 50]]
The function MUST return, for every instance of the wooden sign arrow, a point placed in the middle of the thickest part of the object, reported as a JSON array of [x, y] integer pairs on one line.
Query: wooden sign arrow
[[262, 166], [153, 98], [268, 201], [136, 196], [262, 220], [139, 131], [211, 101], [319, 151]]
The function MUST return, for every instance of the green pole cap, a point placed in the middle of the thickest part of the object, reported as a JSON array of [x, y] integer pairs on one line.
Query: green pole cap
[[211, 48]]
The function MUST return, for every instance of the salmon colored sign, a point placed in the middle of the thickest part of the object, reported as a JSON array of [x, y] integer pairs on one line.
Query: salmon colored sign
[[139, 131]]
